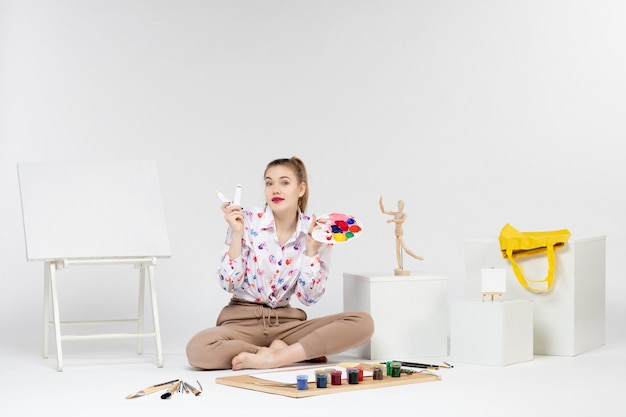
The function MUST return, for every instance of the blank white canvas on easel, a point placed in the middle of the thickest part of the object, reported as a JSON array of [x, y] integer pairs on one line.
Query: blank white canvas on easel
[[88, 209], [92, 213]]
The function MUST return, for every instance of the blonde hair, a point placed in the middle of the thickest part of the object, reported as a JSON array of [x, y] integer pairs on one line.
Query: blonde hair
[[297, 166]]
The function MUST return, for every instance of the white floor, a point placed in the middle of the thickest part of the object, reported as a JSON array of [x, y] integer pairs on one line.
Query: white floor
[[95, 383]]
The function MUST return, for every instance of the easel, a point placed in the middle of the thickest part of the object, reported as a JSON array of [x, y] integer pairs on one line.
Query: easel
[[89, 214], [51, 303], [493, 283], [492, 294]]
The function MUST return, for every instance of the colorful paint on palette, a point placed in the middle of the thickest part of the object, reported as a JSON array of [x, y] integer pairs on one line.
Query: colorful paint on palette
[[337, 227]]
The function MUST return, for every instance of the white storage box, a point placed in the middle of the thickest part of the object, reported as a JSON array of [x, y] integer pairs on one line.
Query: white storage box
[[568, 320], [491, 332], [410, 314]]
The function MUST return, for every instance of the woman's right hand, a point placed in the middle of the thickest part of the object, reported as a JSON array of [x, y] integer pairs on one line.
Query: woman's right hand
[[233, 216]]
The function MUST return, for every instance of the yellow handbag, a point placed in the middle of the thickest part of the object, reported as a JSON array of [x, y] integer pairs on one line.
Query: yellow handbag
[[515, 244]]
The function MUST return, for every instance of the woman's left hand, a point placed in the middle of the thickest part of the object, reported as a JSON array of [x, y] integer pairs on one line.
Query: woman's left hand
[[313, 245]]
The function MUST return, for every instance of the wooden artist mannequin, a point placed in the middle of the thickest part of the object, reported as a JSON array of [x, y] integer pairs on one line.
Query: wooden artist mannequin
[[398, 218]]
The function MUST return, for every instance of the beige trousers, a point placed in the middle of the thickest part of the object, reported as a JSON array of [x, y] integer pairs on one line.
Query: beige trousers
[[243, 327]]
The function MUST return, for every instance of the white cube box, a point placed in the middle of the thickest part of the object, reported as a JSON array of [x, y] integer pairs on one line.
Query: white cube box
[[410, 314], [491, 332], [570, 318]]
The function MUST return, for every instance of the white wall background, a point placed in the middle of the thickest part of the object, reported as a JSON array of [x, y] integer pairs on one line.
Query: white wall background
[[476, 113]]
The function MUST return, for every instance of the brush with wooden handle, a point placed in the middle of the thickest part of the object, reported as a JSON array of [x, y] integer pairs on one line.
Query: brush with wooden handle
[[153, 388], [172, 390]]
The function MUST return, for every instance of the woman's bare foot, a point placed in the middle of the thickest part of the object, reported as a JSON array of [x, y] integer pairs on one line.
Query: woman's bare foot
[[276, 355], [278, 344]]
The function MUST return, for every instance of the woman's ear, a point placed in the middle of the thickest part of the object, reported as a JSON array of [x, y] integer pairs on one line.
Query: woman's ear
[[302, 189]]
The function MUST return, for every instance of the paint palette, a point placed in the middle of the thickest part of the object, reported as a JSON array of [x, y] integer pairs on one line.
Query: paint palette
[[337, 227]]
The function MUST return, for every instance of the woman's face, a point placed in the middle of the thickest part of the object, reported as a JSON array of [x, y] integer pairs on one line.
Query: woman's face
[[282, 189]]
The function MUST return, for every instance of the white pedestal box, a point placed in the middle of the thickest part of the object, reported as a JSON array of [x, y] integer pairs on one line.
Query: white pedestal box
[[410, 314], [570, 318], [491, 332]]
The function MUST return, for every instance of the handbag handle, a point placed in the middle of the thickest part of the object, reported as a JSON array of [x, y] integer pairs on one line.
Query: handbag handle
[[521, 275]]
